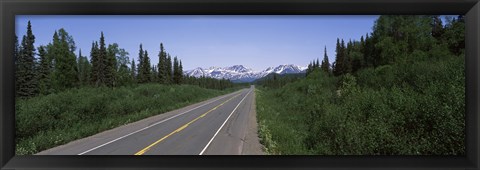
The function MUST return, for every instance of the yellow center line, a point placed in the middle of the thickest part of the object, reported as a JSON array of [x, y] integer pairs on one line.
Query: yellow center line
[[141, 152]]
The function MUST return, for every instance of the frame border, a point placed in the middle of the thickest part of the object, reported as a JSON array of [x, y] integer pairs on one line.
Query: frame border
[[10, 8]]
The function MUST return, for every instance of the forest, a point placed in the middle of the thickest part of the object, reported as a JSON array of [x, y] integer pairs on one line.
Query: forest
[[399, 90], [62, 96]]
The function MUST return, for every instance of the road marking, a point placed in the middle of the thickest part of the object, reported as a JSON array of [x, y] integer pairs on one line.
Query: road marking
[[141, 152], [149, 126], [208, 144]]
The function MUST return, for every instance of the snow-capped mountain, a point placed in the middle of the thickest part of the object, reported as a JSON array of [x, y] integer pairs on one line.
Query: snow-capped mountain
[[239, 73]]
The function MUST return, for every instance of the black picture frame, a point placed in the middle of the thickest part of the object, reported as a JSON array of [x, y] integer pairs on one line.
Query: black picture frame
[[10, 8]]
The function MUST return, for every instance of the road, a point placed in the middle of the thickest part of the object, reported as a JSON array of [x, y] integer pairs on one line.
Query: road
[[217, 126]]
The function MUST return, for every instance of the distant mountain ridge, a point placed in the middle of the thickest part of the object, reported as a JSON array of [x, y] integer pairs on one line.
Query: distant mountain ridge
[[240, 73]]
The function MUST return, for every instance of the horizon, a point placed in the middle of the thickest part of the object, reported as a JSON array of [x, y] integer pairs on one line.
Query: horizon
[[256, 42]]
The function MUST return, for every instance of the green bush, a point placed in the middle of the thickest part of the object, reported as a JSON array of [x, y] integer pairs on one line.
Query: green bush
[[402, 109]]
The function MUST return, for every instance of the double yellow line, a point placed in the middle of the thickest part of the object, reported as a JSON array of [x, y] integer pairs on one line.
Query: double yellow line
[[141, 152]]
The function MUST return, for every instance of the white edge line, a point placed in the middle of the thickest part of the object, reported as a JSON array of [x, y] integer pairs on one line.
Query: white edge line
[[149, 126], [208, 144]]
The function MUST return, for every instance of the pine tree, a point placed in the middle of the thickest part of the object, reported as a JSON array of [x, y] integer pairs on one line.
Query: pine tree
[[162, 66], [154, 75], [146, 70], [26, 79], [15, 58], [338, 67], [102, 62], [180, 71], [309, 68], [94, 77], [176, 76], [346, 60], [169, 69], [325, 63], [140, 76], [44, 71]]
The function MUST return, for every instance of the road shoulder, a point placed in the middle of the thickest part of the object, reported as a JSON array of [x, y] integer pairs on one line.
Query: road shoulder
[[252, 144]]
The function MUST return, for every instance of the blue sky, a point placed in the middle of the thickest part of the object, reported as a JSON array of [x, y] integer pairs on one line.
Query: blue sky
[[257, 42]]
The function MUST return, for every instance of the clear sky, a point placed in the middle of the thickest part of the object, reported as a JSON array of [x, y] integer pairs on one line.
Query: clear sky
[[256, 42]]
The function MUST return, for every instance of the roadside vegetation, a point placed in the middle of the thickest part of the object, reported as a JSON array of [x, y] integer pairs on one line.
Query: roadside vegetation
[[62, 96], [399, 91], [47, 121]]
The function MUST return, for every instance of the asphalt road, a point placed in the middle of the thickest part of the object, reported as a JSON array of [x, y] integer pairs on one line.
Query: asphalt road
[[214, 127]]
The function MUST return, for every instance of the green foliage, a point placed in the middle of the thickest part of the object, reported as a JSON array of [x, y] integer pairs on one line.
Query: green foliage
[[405, 109], [84, 70], [26, 82], [162, 65], [46, 121]]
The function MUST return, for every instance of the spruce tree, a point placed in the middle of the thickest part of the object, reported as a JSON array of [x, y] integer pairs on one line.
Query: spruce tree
[[26, 79], [338, 67], [140, 76], [44, 71], [94, 77], [15, 58], [162, 65], [169, 69], [176, 76], [146, 70], [325, 63], [154, 75], [103, 60], [180, 71]]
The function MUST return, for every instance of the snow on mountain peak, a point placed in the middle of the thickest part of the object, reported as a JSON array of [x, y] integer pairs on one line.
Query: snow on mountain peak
[[240, 73]]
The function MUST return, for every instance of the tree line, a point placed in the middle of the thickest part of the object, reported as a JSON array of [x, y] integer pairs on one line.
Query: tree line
[[396, 39], [58, 68]]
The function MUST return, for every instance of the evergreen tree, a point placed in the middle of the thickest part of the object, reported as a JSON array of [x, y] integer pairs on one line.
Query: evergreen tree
[[338, 67], [26, 81], [145, 72], [94, 60], [169, 69], [309, 68], [140, 76], [346, 65], [154, 76], [15, 58], [176, 71], [84, 69], [103, 59], [44, 71], [180, 72], [325, 63], [162, 65]]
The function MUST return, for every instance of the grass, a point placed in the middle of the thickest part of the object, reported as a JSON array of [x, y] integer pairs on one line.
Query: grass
[[47, 121]]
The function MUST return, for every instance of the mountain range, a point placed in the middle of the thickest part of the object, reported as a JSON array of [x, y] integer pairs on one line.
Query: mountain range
[[240, 73]]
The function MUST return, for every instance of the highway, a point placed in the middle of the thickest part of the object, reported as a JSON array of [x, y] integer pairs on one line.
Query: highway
[[217, 126]]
